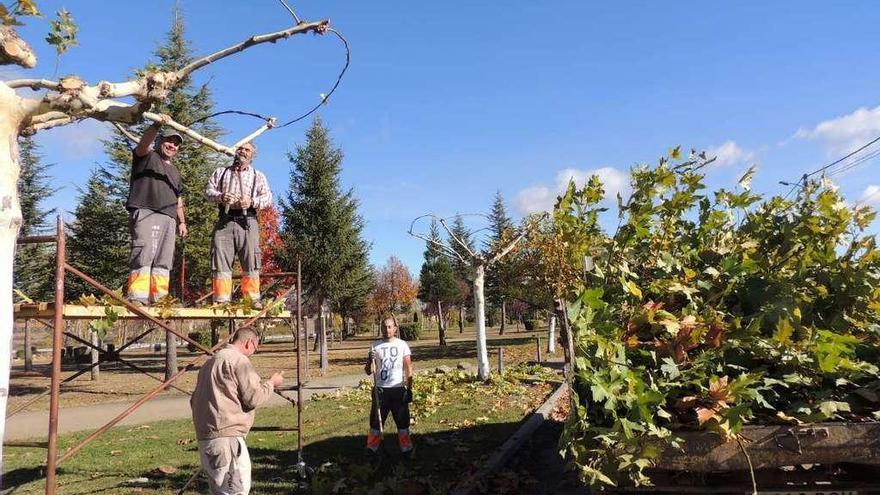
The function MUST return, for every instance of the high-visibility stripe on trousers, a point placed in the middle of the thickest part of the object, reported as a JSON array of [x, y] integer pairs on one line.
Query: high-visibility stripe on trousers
[[236, 237], [222, 287], [152, 254], [404, 440], [374, 440], [250, 285]]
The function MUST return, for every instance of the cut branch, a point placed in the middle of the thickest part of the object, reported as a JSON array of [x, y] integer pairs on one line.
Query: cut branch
[[507, 249], [270, 123], [34, 84], [125, 132], [318, 27], [195, 136], [14, 50]]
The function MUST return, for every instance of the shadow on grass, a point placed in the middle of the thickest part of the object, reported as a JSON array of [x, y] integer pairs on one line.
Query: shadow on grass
[[442, 459]]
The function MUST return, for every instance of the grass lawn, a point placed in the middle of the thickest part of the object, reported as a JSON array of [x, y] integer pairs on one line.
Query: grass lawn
[[458, 422], [119, 383]]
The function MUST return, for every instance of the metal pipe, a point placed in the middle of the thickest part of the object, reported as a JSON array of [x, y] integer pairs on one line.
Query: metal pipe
[[57, 344], [75, 375], [299, 433], [115, 357], [131, 307]]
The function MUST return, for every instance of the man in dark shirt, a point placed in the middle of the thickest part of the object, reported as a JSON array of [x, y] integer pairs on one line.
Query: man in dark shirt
[[155, 206]]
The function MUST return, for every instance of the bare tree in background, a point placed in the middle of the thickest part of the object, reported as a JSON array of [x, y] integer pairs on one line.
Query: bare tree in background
[[478, 262]]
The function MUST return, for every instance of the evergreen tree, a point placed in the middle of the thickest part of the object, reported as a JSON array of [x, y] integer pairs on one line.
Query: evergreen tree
[[500, 277], [33, 273], [437, 280], [184, 104], [98, 241], [462, 269], [321, 224]]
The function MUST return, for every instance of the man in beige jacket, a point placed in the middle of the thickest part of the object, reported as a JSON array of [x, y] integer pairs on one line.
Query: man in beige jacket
[[228, 389]]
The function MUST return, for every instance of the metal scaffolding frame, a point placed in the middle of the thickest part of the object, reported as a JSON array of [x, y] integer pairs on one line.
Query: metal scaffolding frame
[[58, 310]]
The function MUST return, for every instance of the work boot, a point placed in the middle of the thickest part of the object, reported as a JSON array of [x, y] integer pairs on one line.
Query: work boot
[[139, 302]]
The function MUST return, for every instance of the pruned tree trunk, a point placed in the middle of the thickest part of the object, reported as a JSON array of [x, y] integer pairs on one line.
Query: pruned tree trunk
[[441, 326], [480, 317], [461, 318], [503, 316], [325, 362], [96, 369], [170, 355], [10, 222]]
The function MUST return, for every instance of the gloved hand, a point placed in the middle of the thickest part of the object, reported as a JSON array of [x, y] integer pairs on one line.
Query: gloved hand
[[407, 395]]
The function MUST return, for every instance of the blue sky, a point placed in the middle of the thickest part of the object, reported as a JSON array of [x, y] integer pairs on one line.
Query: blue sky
[[446, 103]]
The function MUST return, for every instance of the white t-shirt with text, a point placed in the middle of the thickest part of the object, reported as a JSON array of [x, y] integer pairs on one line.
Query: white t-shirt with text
[[388, 361]]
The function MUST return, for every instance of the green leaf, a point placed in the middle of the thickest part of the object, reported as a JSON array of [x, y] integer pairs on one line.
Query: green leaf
[[669, 368], [633, 289], [830, 408], [62, 32], [784, 331]]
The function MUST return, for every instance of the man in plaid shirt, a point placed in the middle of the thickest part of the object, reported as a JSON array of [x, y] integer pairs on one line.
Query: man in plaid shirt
[[239, 191]]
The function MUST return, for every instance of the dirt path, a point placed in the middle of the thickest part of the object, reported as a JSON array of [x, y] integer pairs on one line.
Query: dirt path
[[25, 425]]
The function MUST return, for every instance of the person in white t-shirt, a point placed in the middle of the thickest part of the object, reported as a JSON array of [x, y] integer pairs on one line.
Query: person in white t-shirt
[[390, 363]]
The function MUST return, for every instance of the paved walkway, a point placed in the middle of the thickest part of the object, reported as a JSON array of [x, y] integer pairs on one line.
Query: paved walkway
[[31, 425]]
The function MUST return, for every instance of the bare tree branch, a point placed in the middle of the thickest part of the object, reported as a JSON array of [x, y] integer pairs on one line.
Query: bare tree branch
[[250, 137], [440, 245], [455, 237], [195, 136], [507, 249], [447, 250], [318, 27], [125, 132], [34, 84]]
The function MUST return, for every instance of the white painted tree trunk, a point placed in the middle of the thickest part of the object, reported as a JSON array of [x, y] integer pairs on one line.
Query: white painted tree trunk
[[551, 336], [480, 317], [11, 114]]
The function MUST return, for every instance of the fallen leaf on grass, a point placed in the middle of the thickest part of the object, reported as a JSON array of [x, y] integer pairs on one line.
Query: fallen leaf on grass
[[115, 452], [165, 470], [185, 441]]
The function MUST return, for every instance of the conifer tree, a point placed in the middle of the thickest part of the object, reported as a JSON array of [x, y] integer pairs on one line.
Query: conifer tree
[[461, 269], [500, 278], [98, 240], [437, 283], [33, 272], [321, 224]]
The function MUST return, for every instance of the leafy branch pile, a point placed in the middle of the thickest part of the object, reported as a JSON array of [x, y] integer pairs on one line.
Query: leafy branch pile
[[711, 311]]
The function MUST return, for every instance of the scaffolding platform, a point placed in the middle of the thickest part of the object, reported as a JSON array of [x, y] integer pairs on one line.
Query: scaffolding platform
[[98, 311]]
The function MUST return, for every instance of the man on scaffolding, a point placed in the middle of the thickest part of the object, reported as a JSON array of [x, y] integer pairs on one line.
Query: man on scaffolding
[[390, 363], [239, 190], [155, 208]]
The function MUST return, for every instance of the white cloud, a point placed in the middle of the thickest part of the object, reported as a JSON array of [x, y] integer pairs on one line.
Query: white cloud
[[871, 195], [542, 198], [534, 199], [729, 153], [75, 141], [846, 133]]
